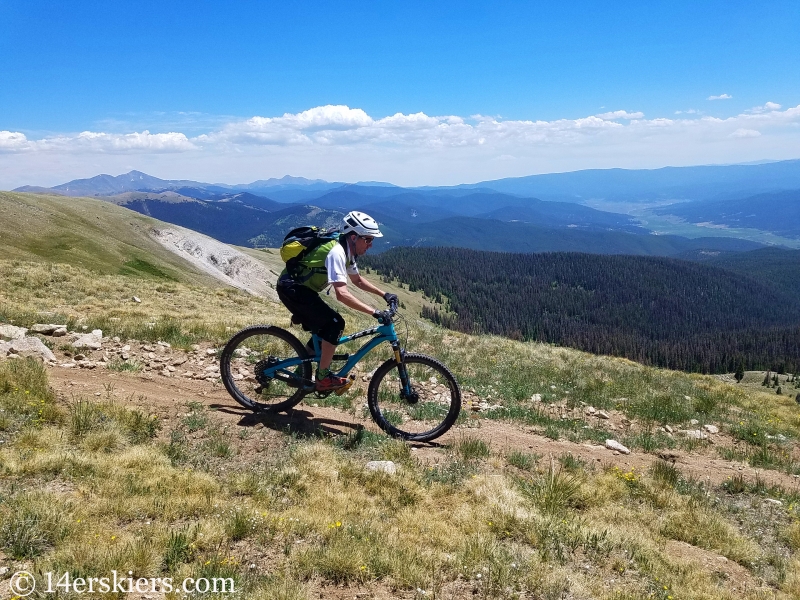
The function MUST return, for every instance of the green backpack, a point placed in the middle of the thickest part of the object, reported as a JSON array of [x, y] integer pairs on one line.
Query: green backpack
[[304, 250]]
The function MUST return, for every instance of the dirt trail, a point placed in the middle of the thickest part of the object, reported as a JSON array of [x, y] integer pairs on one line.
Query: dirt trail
[[168, 397]]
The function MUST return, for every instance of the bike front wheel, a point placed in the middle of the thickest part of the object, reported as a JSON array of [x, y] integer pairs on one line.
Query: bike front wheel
[[249, 353], [428, 411]]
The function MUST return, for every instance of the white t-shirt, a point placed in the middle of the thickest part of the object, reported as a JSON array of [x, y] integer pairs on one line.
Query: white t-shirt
[[338, 266]]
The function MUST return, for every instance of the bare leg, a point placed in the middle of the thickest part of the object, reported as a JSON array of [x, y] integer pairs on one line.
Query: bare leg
[[326, 357]]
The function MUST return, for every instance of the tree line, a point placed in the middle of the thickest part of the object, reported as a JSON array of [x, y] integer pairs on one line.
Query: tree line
[[657, 311]]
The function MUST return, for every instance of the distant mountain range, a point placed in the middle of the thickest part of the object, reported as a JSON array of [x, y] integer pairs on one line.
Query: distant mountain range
[[648, 185], [631, 185], [538, 213], [236, 221], [136, 181]]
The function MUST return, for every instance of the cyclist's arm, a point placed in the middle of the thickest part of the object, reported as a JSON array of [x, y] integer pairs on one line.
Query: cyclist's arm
[[344, 296], [365, 285]]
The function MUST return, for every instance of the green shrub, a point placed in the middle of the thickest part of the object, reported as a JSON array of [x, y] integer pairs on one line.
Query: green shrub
[[25, 395], [124, 366], [239, 524], [85, 416], [140, 427], [179, 548], [665, 472], [469, 448], [553, 492], [523, 460]]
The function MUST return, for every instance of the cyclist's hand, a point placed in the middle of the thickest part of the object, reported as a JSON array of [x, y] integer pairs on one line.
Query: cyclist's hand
[[383, 316], [391, 299]]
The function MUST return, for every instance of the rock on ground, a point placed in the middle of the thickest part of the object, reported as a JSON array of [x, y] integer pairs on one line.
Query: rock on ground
[[615, 445], [89, 340], [12, 332], [693, 434], [29, 346], [48, 329], [386, 466]]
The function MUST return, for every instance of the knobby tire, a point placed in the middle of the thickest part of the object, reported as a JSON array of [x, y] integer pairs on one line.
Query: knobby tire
[[384, 389], [243, 390]]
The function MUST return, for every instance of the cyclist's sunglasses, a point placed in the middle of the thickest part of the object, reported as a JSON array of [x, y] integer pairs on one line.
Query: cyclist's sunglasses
[[367, 239]]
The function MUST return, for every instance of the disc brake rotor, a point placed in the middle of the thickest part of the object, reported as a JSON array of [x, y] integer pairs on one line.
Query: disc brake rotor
[[262, 366], [411, 398]]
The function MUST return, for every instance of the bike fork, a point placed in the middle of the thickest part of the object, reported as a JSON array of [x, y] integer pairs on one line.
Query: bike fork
[[405, 384]]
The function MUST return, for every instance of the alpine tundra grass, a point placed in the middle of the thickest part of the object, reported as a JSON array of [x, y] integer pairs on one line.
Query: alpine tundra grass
[[93, 484], [494, 531]]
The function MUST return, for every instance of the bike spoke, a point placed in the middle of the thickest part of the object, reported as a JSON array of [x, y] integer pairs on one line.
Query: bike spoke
[[427, 411], [250, 354]]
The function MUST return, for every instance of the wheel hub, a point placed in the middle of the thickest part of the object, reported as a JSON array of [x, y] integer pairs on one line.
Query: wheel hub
[[413, 397], [262, 366]]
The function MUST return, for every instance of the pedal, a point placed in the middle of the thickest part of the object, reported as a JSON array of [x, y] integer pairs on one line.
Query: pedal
[[346, 386]]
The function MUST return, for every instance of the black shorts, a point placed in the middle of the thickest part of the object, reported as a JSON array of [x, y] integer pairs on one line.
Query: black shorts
[[311, 311]]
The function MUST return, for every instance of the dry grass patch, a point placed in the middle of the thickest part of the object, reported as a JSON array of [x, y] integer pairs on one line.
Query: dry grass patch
[[700, 526], [321, 517], [176, 312], [32, 522]]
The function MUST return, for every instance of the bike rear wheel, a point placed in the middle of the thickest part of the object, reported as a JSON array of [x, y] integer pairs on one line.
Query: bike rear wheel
[[244, 359], [428, 412]]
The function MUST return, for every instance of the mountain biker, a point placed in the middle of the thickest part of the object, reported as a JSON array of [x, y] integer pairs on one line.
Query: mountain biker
[[301, 295]]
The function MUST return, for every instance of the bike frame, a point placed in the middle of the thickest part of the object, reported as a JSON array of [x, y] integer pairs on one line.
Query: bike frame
[[382, 333]]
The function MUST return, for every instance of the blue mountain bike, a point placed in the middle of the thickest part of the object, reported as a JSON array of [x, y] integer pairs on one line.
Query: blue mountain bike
[[410, 396]]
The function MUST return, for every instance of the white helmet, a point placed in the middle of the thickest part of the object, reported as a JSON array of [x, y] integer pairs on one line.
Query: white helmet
[[361, 224]]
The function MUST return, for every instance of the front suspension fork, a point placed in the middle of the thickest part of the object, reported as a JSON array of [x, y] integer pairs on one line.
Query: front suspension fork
[[399, 357]]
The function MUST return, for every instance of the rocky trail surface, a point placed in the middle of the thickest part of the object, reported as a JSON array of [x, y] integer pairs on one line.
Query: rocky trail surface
[[171, 379]]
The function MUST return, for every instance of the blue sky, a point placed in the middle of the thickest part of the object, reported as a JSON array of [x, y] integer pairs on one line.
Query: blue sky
[[203, 70]]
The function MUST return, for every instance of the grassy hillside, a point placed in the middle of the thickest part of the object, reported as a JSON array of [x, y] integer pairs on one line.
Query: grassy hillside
[[108, 469], [87, 233], [196, 493], [81, 260]]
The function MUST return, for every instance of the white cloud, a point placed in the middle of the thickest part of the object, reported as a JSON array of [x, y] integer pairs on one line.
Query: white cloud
[[745, 133], [130, 142], [721, 97], [341, 143], [691, 111], [620, 114], [13, 141], [94, 142], [768, 107], [340, 125]]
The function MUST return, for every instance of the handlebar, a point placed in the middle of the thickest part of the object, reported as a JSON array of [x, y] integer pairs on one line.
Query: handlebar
[[385, 317]]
